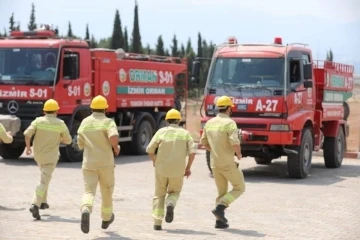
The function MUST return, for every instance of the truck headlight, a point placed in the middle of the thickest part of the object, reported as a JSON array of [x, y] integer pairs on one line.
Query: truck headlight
[[279, 127]]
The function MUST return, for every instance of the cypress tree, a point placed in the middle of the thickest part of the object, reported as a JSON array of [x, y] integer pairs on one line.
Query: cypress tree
[[126, 40], [200, 49], [70, 33], [174, 47], [12, 23], [136, 38], [148, 49], [87, 34], [182, 51], [93, 43], [160, 47], [32, 25], [117, 38]]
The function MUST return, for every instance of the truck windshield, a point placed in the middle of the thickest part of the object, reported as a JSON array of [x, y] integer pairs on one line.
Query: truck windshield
[[28, 66], [248, 72]]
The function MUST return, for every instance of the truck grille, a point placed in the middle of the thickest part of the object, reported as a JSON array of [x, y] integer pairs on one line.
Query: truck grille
[[251, 126], [23, 109]]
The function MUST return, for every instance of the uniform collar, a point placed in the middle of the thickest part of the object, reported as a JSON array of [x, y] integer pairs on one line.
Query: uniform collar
[[97, 114], [222, 115], [173, 125], [49, 115]]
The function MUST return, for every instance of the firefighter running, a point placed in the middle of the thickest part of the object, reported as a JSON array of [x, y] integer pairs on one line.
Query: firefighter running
[[5, 137], [173, 144], [99, 138], [48, 132], [221, 138]]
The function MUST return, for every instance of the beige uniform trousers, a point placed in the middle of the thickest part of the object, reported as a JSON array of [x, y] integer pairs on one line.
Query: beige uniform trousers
[[163, 185], [106, 179], [236, 178], [40, 195]]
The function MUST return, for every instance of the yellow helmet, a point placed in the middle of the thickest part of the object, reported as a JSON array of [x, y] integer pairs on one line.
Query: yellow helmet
[[51, 105], [99, 102], [224, 101], [173, 114]]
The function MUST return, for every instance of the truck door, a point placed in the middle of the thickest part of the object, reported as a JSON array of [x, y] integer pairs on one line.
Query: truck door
[[295, 74]]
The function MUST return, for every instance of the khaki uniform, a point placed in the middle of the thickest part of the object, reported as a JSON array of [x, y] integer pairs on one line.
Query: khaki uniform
[[3, 136], [174, 145], [221, 134], [48, 132], [98, 161]]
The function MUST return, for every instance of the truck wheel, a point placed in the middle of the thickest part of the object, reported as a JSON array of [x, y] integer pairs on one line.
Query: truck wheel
[[71, 153], [142, 138], [334, 150], [11, 151], [299, 165], [208, 161], [346, 110], [263, 161]]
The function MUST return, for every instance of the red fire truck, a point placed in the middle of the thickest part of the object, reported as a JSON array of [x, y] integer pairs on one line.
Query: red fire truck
[[38, 65], [290, 103]]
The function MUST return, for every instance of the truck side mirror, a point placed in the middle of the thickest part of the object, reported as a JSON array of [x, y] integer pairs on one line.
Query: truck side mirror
[[307, 71], [308, 84], [195, 72]]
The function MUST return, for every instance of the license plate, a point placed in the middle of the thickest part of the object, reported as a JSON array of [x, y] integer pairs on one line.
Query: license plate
[[242, 107]]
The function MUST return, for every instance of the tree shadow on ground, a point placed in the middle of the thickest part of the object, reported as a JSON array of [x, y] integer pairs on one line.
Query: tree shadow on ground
[[3, 208], [188, 232], [250, 233], [51, 218], [320, 175]]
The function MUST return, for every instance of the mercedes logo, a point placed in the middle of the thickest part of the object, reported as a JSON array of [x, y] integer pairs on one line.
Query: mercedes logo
[[13, 106]]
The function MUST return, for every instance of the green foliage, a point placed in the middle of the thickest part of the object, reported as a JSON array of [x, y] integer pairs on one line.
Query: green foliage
[[70, 33], [174, 48], [87, 33], [160, 47], [126, 40], [136, 45], [93, 43], [32, 25], [12, 23], [329, 56], [117, 38]]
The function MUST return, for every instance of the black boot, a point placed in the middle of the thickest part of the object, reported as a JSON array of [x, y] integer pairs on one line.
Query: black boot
[[35, 211], [44, 206], [221, 225], [157, 227], [106, 224], [169, 213], [219, 213], [85, 221]]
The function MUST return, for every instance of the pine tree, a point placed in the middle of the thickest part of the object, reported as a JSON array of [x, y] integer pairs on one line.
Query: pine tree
[[117, 38], [182, 51], [174, 47], [199, 49], [12, 23], [126, 40], [160, 47], [87, 33], [32, 25], [93, 43], [70, 33], [17, 28], [136, 46], [167, 53]]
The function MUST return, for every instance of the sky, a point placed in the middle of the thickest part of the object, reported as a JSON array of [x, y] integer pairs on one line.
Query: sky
[[323, 24]]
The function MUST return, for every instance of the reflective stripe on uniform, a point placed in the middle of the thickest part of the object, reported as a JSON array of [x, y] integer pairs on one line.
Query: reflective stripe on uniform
[[96, 127], [158, 213], [48, 127], [173, 136], [228, 198], [40, 193], [107, 210], [220, 127], [2, 129]]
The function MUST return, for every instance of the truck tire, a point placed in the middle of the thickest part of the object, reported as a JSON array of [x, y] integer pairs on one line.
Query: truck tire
[[142, 138], [263, 161], [346, 110], [334, 150], [11, 151], [299, 165], [208, 161], [71, 153]]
